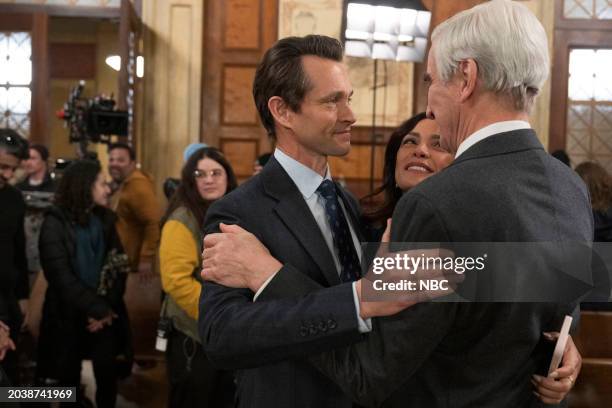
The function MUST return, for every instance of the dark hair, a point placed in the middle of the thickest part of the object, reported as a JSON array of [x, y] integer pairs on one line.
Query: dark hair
[[263, 159], [280, 72], [13, 143], [124, 146], [73, 193], [42, 150], [187, 195], [599, 183], [392, 193], [562, 156]]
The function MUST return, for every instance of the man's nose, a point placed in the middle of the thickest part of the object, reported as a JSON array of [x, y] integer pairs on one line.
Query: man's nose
[[347, 115]]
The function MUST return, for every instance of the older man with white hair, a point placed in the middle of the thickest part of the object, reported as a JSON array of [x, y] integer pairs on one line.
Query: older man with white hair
[[484, 70]]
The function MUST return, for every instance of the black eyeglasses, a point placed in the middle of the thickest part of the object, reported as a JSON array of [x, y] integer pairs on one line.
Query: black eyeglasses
[[214, 174]]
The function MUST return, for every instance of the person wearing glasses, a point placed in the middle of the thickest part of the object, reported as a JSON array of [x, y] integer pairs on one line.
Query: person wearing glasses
[[14, 270], [206, 177]]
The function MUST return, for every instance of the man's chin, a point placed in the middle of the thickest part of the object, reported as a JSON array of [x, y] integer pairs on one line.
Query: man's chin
[[341, 149]]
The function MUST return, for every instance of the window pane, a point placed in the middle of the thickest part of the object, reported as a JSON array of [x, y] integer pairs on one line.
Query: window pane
[[603, 75], [578, 8], [590, 75], [15, 58], [581, 81], [15, 109], [603, 9], [589, 115]]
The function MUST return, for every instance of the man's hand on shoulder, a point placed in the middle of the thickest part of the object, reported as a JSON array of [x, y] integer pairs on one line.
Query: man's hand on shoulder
[[235, 258]]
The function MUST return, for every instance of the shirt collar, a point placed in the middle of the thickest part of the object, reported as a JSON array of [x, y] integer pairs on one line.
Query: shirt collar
[[306, 179], [490, 130]]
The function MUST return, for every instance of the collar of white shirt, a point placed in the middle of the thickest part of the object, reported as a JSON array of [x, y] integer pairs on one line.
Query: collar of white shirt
[[306, 179], [490, 130]]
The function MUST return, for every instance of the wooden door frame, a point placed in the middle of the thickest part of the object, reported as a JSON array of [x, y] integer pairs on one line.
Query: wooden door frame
[[570, 34]]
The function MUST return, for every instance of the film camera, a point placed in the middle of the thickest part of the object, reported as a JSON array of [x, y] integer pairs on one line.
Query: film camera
[[92, 120]]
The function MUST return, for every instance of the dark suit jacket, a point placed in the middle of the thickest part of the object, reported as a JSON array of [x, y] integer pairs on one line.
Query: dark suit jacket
[[237, 333], [505, 188]]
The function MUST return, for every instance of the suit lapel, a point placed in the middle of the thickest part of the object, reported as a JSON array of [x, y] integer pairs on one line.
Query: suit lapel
[[297, 217]]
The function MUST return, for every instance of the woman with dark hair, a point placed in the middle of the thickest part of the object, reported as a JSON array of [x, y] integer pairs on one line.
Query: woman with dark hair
[[413, 154], [84, 314], [206, 177]]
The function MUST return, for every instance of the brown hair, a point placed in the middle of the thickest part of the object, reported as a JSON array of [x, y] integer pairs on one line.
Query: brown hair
[[599, 183], [187, 194], [280, 73]]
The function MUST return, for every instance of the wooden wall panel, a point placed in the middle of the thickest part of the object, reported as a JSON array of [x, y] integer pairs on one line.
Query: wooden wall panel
[[242, 155], [181, 31], [40, 113], [242, 24], [356, 165], [70, 60], [172, 87], [237, 86], [237, 33]]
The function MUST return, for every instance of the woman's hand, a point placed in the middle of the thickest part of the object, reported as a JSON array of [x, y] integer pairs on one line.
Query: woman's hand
[[554, 388], [94, 325]]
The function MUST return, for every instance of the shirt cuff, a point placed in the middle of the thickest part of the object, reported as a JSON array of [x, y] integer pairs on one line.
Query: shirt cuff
[[261, 289], [365, 326]]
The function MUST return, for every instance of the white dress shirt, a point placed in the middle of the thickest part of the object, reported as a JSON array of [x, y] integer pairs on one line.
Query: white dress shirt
[[490, 130], [307, 181]]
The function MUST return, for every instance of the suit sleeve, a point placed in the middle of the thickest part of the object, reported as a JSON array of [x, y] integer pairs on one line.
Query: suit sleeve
[[238, 333], [372, 370]]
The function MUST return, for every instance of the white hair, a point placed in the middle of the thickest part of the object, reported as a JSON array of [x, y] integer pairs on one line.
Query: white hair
[[507, 42]]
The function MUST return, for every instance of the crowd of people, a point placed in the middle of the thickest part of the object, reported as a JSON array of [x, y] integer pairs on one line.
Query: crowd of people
[[262, 283]]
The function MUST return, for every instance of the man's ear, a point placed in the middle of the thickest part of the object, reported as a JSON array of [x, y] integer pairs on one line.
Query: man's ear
[[280, 111], [468, 76]]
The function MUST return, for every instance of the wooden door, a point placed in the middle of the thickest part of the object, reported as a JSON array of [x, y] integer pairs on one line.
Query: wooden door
[[237, 33]]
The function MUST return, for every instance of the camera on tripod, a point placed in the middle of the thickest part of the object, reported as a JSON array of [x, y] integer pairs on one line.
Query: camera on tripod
[[92, 119]]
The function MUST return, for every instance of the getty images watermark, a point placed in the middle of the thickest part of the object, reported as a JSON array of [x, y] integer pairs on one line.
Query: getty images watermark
[[487, 272]]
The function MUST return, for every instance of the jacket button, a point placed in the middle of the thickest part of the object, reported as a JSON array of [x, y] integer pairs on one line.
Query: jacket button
[[331, 323], [304, 331]]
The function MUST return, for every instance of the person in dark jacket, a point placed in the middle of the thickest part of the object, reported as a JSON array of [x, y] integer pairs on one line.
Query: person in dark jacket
[[13, 267], [84, 314]]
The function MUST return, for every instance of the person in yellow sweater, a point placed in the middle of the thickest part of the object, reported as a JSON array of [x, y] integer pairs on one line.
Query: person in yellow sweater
[[206, 177]]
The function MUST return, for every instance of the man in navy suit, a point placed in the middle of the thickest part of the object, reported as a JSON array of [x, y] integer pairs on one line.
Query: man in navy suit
[[309, 224]]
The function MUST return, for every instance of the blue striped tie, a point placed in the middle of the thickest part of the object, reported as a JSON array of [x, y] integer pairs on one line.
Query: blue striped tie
[[343, 241]]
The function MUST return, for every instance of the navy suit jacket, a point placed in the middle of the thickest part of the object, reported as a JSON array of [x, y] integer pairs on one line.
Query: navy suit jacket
[[264, 341]]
